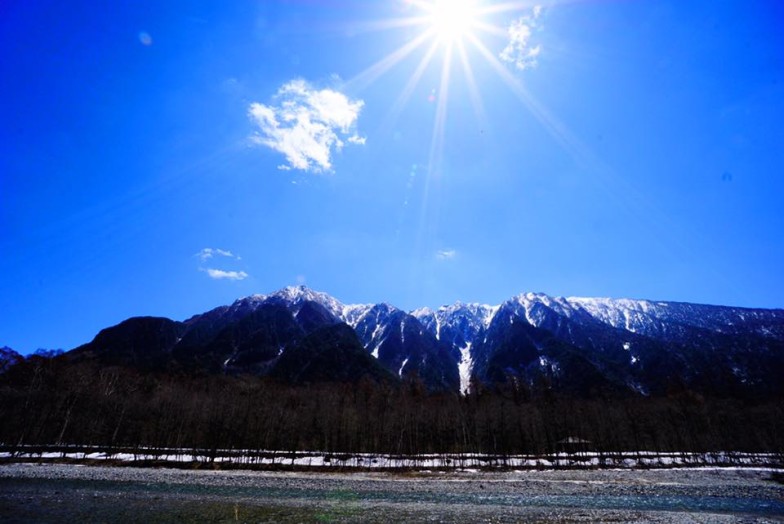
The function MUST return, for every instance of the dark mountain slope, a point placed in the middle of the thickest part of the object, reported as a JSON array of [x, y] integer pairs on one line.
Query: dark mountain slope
[[141, 342], [329, 354]]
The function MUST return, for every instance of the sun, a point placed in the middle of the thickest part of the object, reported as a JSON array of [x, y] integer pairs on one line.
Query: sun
[[451, 20], [451, 34]]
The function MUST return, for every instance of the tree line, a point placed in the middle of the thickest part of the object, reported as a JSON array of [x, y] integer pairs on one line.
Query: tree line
[[44, 401]]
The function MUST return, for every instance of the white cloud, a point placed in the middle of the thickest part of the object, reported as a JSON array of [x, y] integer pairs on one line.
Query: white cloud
[[208, 252], [306, 125], [446, 254], [518, 50], [219, 274]]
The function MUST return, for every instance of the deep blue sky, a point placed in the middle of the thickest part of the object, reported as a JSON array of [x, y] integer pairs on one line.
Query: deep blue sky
[[638, 152]]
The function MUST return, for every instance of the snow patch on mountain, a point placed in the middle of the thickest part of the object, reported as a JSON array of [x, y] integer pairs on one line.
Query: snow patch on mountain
[[352, 314], [465, 367], [659, 319], [456, 324], [294, 298], [403, 365]]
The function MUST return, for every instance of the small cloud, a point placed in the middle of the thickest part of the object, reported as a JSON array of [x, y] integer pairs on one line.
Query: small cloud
[[144, 38], [208, 252], [446, 254], [518, 50], [306, 124], [219, 274], [231, 86], [537, 10]]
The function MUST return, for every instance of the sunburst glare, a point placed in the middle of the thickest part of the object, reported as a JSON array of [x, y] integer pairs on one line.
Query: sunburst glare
[[454, 26], [451, 19]]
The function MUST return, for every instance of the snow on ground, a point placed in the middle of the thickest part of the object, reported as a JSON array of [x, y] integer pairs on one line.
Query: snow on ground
[[444, 461]]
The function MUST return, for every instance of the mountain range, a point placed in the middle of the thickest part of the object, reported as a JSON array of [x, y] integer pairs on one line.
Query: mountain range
[[531, 342]]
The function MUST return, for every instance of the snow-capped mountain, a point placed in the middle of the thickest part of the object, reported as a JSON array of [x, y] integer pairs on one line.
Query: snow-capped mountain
[[645, 346], [531, 342], [393, 337]]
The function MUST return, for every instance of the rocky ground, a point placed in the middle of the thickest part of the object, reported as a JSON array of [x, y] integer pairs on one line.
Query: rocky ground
[[74, 493]]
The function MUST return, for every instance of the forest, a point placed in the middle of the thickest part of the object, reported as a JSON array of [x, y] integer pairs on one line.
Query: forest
[[46, 401]]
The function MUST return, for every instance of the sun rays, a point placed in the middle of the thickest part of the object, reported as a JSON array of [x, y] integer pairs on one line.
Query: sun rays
[[461, 46], [457, 32]]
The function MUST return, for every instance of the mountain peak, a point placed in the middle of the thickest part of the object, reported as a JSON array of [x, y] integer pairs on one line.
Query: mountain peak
[[297, 291], [423, 312], [294, 296]]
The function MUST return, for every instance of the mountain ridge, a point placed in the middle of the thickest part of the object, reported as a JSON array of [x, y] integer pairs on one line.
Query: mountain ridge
[[531, 342]]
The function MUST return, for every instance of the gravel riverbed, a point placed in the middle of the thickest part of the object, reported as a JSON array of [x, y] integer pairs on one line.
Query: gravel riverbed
[[71, 493]]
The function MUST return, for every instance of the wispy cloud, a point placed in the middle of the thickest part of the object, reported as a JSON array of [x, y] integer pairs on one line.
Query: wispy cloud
[[306, 125], [211, 253], [219, 274], [446, 254], [208, 252], [518, 50]]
